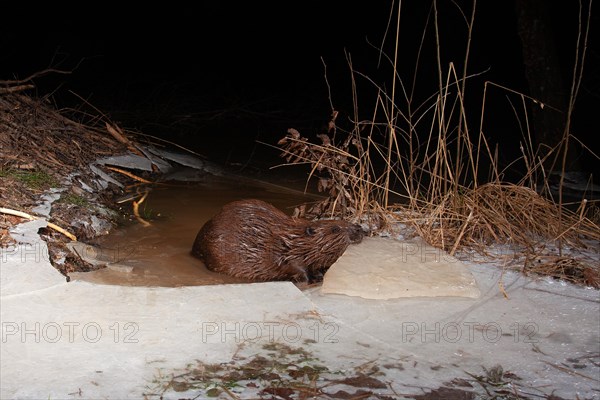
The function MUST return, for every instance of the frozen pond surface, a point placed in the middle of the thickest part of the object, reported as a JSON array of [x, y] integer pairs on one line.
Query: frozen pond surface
[[157, 332]]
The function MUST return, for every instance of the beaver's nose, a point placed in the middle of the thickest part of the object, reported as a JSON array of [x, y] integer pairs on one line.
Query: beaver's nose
[[357, 233]]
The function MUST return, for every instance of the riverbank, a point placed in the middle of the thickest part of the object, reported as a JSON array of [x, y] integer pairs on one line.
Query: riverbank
[[519, 338], [523, 337]]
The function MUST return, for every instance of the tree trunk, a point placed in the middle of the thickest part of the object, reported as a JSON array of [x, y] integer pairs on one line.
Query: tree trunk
[[545, 79]]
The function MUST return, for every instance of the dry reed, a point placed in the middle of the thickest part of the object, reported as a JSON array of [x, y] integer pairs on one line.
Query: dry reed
[[446, 179]]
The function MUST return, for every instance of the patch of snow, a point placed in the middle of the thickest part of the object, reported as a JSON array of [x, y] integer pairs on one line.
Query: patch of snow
[[26, 267], [162, 165], [132, 161], [187, 160], [100, 226], [85, 187], [379, 268], [44, 208], [105, 178]]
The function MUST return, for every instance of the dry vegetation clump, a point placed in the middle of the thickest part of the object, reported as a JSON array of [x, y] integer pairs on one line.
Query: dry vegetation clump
[[278, 371], [35, 136], [342, 173], [502, 213], [432, 172], [454, 219], [44, 150]]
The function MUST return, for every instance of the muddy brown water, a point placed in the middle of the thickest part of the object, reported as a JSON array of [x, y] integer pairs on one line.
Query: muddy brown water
[[159, 254]]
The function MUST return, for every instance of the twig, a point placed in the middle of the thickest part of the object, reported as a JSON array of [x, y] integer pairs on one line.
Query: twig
[[571, 372], [33, 218], [117, 133], [15, 89], [35, 75], [462, 232], [136, 212], [129, 174]]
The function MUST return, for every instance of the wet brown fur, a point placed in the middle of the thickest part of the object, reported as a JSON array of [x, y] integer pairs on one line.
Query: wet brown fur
[[254, 240]]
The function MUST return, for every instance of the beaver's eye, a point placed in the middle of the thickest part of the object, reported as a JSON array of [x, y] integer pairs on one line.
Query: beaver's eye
[[336, 229], [310, 231]]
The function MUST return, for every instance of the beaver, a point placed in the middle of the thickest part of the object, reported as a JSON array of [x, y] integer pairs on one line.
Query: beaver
[[254, 240]]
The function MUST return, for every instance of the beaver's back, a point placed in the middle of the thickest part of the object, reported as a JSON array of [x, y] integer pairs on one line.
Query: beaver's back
[[254, 240]]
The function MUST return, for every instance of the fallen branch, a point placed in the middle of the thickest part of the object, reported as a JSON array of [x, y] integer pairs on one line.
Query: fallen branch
[[18, 85], [33, 218], [136, 211], [15, 89], [118, 134], [35, 75], [129, 174]]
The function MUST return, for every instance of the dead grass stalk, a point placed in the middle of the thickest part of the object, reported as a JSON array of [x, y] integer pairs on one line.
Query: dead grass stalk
[[446, 180]]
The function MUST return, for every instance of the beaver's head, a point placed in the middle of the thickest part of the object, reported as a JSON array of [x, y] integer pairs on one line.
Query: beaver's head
[[335, 230], [320, 243]]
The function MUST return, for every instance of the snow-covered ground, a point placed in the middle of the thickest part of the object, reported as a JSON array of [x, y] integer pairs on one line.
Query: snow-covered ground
[[532, 338], [503, 335]]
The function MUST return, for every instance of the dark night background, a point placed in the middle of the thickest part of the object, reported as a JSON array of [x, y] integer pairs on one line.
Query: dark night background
[[218, 76]]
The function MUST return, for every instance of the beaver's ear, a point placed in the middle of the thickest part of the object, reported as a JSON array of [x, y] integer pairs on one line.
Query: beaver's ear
[[310, 230]]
